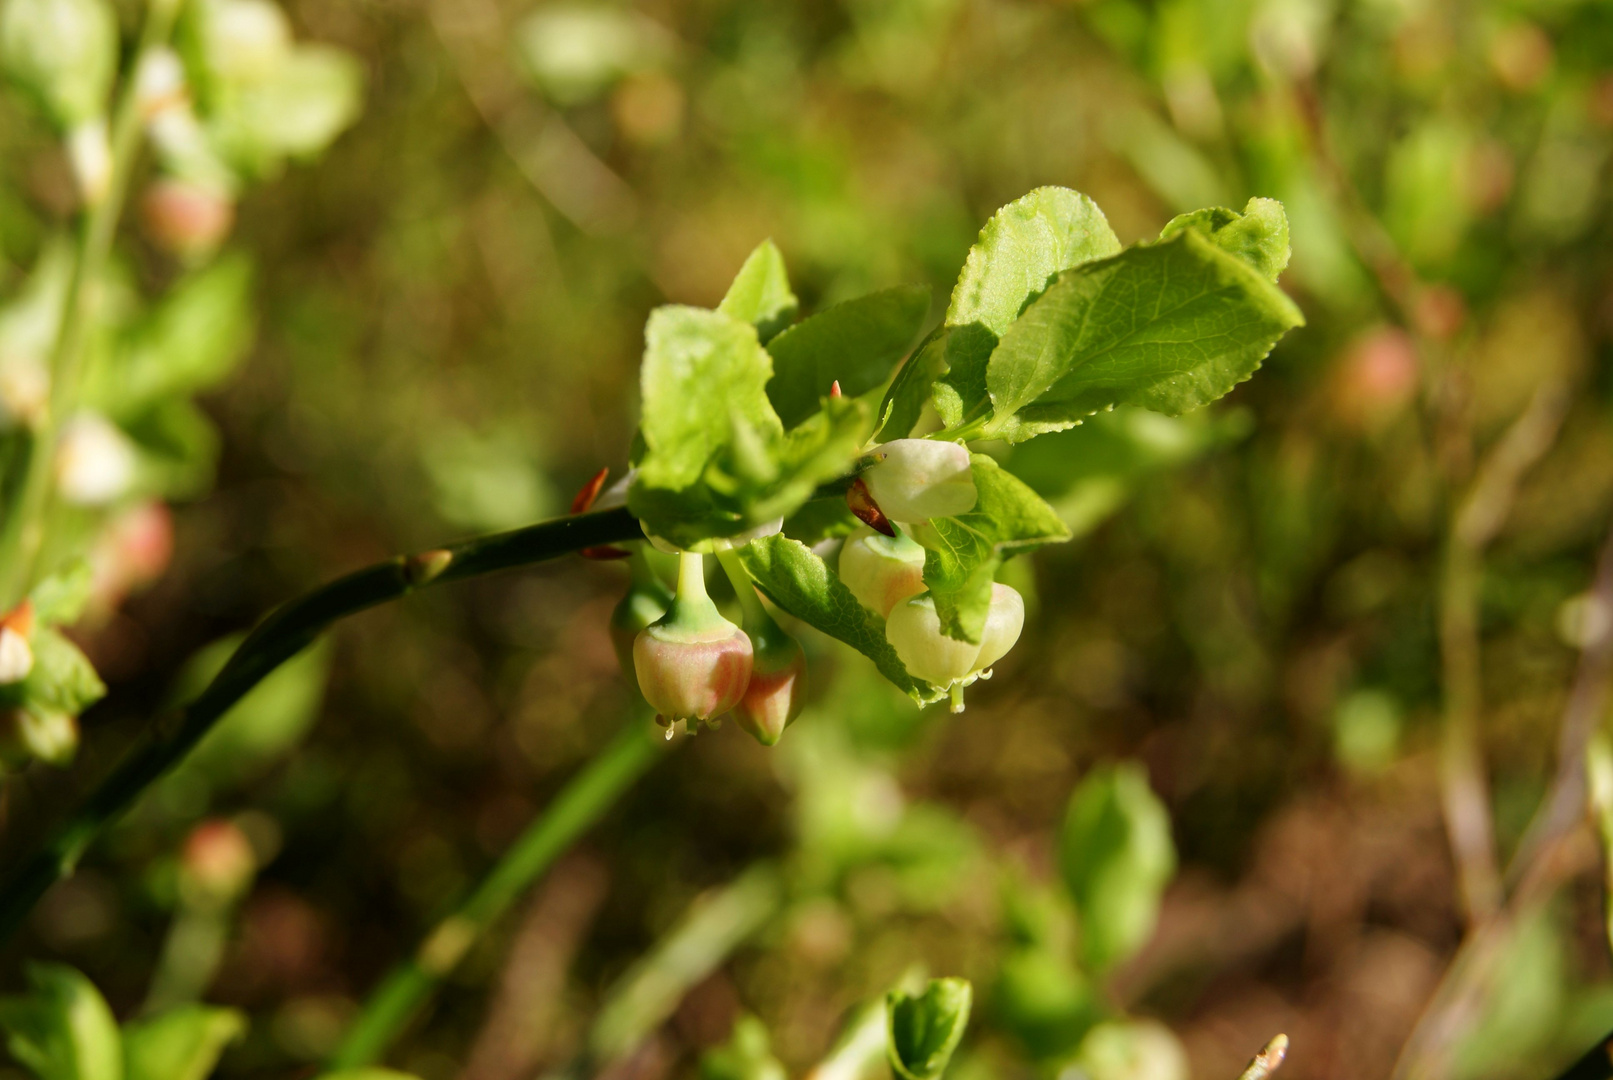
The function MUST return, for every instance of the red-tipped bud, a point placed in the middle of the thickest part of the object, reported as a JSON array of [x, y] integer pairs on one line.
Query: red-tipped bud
[[777, 690], [16, 655], [217, 864], [692, 663], [881, 572], [834, 388]]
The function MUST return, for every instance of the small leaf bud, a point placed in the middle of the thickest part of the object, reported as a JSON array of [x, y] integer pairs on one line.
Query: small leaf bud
[[881, 572], [919, 479]]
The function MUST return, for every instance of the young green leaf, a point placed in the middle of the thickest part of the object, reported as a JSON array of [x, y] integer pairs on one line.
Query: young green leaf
[[62, 1029], [180, 1044], [923, 1031], [1021, 249], [60, 598], [760, 294], [1116, 855], [1258, 236], [191, 342], [62, 679], [748, 1055], [704, 379], [963, 553], [1168, 326], [1044, 999], [798, 581], [857, 343], [907, 393]]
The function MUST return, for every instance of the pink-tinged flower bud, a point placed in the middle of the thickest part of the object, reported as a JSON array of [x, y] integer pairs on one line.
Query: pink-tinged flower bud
[[1004, 620], [692, 663], [217, 864], [919, 479], [914, 631], [777, 689], [186, 219], [881, 572]]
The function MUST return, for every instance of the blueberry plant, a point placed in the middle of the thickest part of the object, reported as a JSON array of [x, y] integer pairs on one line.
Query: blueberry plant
[[844, 471]]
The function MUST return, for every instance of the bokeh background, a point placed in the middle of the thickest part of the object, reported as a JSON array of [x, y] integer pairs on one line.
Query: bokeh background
[[449, 309]]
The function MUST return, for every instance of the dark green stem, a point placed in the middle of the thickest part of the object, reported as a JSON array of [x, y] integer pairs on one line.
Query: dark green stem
[[580, 803], [278, 638]]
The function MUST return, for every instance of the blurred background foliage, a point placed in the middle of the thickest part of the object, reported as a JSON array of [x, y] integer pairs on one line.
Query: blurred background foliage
[[448, 324]]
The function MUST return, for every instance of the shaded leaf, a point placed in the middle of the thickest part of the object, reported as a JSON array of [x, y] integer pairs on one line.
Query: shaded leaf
[[60, 598], [62, 1029], [857, 343]]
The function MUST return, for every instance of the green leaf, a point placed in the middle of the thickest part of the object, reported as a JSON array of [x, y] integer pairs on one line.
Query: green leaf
[[760, 294], [923, 1031], [857, 343], [799, 582], [1167, 326], [1045, 1000], [62, 679], [1021, 249], [64, 52], [190, 343], [1116, 855], [904, 399], [963, 553], [704, 376], [180, 1044], [62, 1029], [1258, 236], [296, 110], [748, 1055], [263, 726], [60, 598]]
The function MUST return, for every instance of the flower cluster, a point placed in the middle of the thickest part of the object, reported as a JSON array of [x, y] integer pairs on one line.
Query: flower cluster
[[694, 665]]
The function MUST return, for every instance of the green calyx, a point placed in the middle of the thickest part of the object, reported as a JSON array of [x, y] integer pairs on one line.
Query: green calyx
[[692, 616]]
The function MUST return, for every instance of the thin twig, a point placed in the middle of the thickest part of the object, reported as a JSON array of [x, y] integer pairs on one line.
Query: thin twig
[[580, 803], [1478, 519], [281, 636], [1268, 1060], [1564, 804], [521, 1015]]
